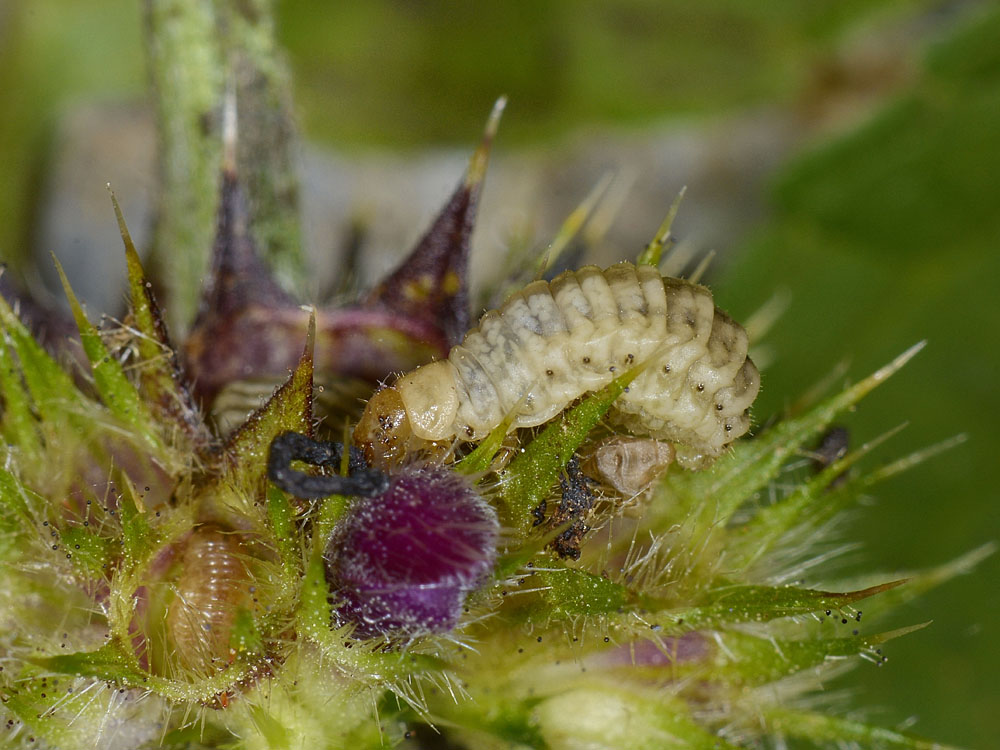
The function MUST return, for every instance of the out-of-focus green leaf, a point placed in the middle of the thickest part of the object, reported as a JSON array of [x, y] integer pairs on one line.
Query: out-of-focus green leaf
[[53, 392], [739, 604], [16, 421], [885, 236], [114, 388], [751, 464], [823, 728], [530, 476]]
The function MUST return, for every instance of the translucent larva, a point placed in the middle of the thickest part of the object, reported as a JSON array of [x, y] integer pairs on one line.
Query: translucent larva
[[213, 583], [554, 341]]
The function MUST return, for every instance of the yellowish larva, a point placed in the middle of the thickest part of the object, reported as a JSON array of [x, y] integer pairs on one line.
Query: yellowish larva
[[552, 342], [213, 583]]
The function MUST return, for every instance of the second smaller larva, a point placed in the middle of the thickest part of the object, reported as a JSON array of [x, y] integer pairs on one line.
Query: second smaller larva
[[552, 342]]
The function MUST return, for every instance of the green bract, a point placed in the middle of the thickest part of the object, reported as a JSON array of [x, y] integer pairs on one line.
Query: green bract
[[691, 620]]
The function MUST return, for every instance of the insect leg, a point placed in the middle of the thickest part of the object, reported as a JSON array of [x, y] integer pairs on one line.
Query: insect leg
[[293, 446]]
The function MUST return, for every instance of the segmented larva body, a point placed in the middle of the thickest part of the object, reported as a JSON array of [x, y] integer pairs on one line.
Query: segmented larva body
[[213, 584], [552, 342]]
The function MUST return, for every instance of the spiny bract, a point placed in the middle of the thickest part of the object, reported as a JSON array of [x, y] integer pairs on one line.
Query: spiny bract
[[157, 591]]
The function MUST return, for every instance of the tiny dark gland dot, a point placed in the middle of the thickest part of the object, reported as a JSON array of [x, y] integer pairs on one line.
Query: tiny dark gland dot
[[701, 387], [828, 612], [586, 360], [719, 407], [729, 428], [549, 373], [607, 640]]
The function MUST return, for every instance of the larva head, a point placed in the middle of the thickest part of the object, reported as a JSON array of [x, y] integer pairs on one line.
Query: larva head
[[418, 409], [384, 430]]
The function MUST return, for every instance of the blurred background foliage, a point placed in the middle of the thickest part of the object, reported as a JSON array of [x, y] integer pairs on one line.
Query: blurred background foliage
[[883, 225]]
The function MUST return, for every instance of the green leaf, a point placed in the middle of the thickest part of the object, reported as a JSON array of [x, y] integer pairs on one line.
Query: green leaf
[[744, 659], [823, 728], [159, 373], [245, 637], [482, 456], [567, 593], [137, 537], [662, 240], [282, 516], [53, 392], [741, 604], [752, 464], [812, 502], [530, 476], [106, 663], [18, 423], [919, 582], [91, 552], [315, 614], [13, 499], [113, 386]]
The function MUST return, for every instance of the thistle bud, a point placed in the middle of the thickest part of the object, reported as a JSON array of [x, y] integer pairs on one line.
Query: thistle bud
[[402, 563]]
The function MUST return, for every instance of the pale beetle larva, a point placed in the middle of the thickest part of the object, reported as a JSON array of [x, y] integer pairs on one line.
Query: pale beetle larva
[[552, 342], [214, 582]]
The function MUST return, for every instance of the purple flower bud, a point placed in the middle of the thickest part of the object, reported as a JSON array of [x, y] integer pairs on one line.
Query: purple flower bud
[[402, 563]]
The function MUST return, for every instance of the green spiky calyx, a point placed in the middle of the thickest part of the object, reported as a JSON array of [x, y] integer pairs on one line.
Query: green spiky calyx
[[159, 592]]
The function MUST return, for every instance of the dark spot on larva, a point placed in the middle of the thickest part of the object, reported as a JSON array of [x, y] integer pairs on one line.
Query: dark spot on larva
[[629, 358], [586, 360], [719, 407], [549, 373], [611, 369], [666, 369], [701, 387], [729, 428], [469, 431], [689, 318]]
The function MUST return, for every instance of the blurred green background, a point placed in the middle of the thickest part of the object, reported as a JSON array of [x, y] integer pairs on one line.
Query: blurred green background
[[884, 225]]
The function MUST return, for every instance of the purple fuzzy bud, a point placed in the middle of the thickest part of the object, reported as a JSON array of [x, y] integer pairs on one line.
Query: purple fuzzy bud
[[402, 563]]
